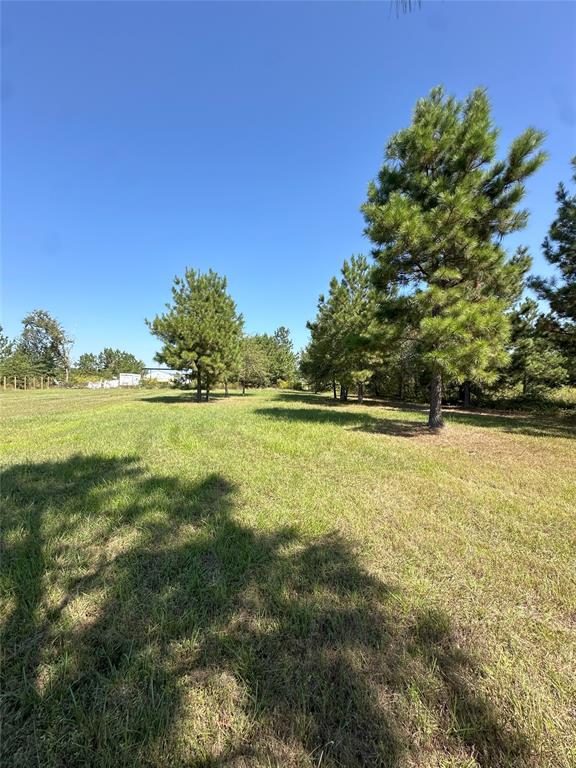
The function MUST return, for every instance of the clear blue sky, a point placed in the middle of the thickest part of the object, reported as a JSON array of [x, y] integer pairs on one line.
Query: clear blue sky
[[139, 138]]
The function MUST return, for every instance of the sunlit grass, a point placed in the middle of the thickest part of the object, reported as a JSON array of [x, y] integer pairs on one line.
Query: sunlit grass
[[278, 580]]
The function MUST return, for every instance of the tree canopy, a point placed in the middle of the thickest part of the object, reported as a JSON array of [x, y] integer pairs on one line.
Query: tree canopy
[[109, 362]]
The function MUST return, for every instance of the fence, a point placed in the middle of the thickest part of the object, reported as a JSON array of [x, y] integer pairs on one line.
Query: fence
[[28, 382], [46, 382]]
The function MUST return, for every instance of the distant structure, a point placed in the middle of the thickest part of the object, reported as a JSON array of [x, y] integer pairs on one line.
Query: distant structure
[[123, 380], [129, 379], [103, 384], [164, 375]]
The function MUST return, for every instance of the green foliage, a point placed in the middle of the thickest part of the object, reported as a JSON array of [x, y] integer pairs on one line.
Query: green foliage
[[44, 343], [6, 346], [341, 347], [559, 249], [254, 362], [267, 360], [88, 363], [18, 364], [437, 214], [535, 363], [109, 363], [201, 330], [283, 359]]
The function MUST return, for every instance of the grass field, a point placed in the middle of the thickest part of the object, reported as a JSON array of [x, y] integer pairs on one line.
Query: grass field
[[276, 580]]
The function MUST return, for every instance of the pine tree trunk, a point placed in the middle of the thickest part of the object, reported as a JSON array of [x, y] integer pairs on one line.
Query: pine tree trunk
[[334, 388], [243, 388], [198, 387], [524, 383], [225, 387], [401, 387], [361, 392], [207, 392], [466, 394], [435, 420], [343, 393]]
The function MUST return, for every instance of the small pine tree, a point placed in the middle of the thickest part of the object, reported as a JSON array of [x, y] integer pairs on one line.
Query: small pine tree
[[201, 329], [437, 215]]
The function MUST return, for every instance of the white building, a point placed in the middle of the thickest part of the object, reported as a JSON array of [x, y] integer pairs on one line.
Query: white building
[[164, 375], [129, 379]]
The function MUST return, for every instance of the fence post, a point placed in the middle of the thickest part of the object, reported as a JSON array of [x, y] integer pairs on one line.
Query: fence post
[[14, 382]]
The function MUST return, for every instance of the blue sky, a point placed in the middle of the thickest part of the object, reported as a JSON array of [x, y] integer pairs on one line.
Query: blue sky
[[141, 138]]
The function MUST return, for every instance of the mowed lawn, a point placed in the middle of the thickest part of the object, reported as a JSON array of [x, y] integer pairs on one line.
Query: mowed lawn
[[276, 580]]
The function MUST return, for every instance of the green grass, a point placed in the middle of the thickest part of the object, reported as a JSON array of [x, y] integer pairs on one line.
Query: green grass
[[277, 580]]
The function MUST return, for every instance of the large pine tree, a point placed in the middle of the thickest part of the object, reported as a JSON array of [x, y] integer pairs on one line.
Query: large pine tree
[[437, 215], [201, 330]]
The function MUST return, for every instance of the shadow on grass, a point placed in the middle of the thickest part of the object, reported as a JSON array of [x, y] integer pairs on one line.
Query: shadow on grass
[[525, 424], [189, 397], [354, 419], [146, 625]]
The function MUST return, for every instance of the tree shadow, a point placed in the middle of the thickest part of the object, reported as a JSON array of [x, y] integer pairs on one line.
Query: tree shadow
[[517, 423], [146, 625], [189, 397], [312, 398], [353, 419], [524, 424]]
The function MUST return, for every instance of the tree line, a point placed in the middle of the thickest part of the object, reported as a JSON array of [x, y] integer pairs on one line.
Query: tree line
[[202, 336], [438, 310], [43, 350]]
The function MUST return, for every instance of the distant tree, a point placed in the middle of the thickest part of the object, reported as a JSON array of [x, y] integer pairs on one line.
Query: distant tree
[[341, 348], [116, 361], [437, 215], [88, 363], [283, 359], [254, 363], [110, 362], [319, 363], [559, 249], [45, 343], [535, 363], [201, 329], [6, 346], [18, 364]]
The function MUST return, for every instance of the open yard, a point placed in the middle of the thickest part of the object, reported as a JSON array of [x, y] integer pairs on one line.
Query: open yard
[[277, 580]]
